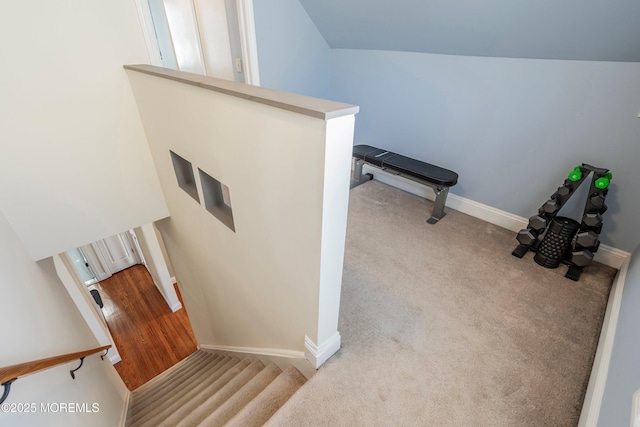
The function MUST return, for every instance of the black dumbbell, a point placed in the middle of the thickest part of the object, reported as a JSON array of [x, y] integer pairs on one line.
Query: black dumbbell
[[597, 200], [564, 190], [587, 239], [537, 223], [550, 206], [592, 219], [582, 258], [526, 237]]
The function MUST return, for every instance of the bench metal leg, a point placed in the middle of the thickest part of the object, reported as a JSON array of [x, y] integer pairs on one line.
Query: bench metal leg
[[438, 205], [357, 176]]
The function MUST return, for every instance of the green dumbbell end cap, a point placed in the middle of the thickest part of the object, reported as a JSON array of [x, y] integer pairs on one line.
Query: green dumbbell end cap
[[602, 183], [609, 176], [578, 169], [575, 176]]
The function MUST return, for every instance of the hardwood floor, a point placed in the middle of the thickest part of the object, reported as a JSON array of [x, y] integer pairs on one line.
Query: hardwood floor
[[149, 337]]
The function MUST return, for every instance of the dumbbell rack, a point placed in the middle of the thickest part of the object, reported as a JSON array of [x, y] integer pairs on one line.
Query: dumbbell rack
[[581, 248]]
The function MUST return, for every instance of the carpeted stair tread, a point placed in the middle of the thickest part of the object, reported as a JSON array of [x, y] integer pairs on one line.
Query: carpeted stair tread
[[215, 401], [167, 382], [181, 370], [175, 382], [185, 380], [264, 405], [200, 385], [242, 397], [192, 359], [172, 414], [208, 389], [167, 391]]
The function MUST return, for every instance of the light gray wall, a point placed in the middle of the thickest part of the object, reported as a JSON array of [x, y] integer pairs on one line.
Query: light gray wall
[[292, 54], [623, 378], [512, 128], [570, 29]]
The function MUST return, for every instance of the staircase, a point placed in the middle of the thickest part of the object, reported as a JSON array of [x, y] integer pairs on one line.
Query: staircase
[[207, 389]]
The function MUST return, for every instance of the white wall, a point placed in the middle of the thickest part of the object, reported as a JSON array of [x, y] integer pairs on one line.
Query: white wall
[[75, 166], [163, 248], [623, 376], [86, 305], [277, 278], [40, 320], [156, 265]]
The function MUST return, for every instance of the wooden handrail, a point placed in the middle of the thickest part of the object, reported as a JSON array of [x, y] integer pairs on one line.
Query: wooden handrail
[[15, 371]]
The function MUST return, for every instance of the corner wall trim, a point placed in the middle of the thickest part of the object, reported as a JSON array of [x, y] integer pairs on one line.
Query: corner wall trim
[[115, 359], [175, 307], [318, 354], [606, 255], [598, 379]]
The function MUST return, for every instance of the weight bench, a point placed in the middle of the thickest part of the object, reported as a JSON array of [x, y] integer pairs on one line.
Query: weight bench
[[439, 179]]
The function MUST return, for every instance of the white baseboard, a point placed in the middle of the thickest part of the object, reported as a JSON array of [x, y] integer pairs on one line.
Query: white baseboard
[[606, 255], [255, 350], [598, 379], [318, 354], [175, 307], [115, 358], [174, 280], [282, 358]]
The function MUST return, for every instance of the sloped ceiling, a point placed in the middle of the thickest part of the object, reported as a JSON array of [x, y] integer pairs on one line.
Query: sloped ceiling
[[599, 30]]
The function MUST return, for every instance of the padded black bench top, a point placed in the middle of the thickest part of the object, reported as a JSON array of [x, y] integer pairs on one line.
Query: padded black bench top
[[421, 170]]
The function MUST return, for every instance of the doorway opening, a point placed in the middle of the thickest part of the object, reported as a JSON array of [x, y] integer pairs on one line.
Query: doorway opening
[[150, 337]]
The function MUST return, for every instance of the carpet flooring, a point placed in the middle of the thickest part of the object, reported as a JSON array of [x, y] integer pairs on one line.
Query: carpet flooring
[[442, 326]]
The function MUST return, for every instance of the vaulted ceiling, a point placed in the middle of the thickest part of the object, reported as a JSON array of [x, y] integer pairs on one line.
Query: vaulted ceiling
[[600, 30]]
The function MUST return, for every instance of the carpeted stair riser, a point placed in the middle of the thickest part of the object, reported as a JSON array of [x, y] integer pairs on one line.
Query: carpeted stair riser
[[213, 390], [172, 403], [156, 385], [236, 402], [177, 386], [167, 384], [175, 370], [260, 409], [183, 405], [213, 402]]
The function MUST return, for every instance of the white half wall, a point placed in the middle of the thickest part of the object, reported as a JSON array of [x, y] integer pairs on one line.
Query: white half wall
[[285, 160], [75, 166]]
